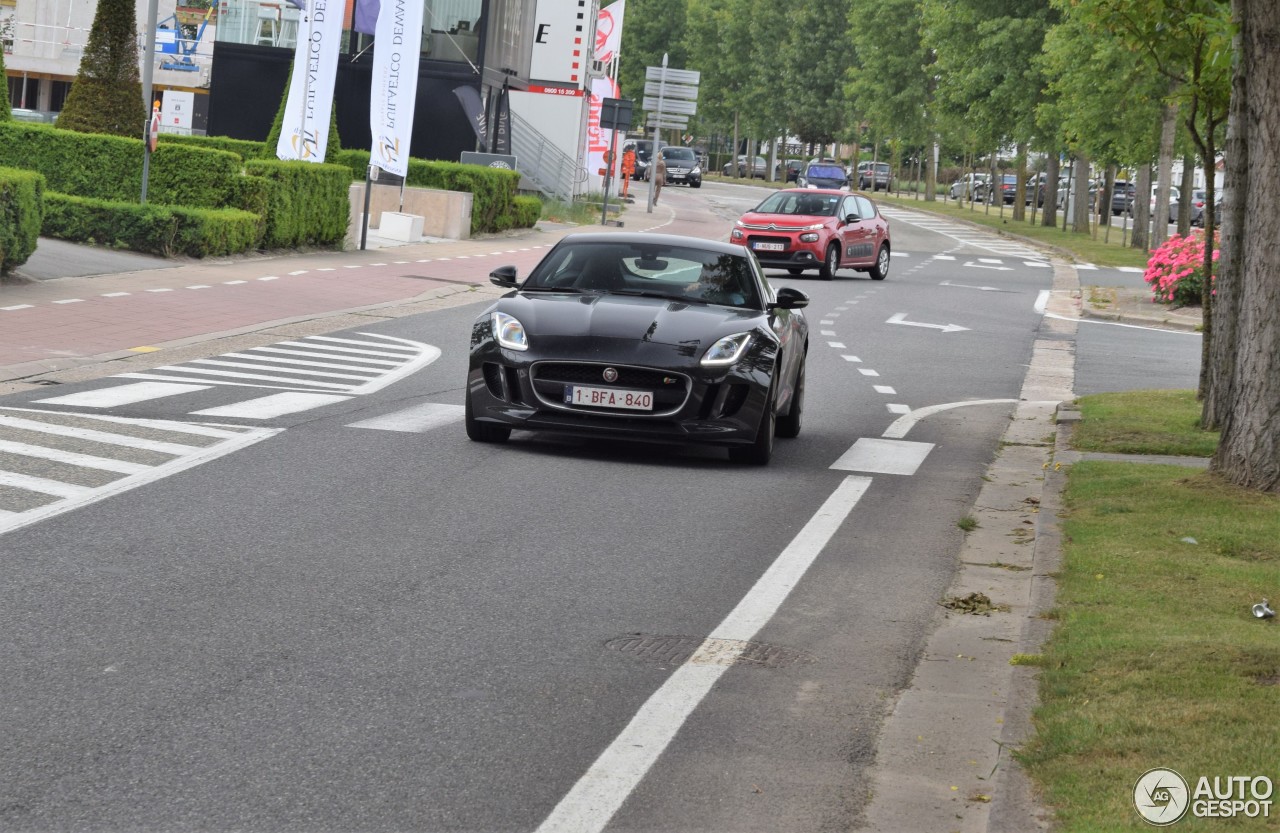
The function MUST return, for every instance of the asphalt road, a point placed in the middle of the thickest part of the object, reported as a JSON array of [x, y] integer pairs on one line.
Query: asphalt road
[[351, 618]]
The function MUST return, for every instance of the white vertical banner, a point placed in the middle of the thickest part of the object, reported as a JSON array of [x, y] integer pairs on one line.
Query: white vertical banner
[[598, 139], [609, 32], [304, 133], [397, 45]]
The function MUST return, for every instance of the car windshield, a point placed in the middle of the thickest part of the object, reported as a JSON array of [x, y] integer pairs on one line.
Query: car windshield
[[825, 172], [803, 203], [678, 273], [678, 154]]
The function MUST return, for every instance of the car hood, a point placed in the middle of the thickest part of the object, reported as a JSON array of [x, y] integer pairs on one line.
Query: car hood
[[784, 220], [631, 318]]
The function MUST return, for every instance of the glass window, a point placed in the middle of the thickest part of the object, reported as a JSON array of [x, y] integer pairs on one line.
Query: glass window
[[865, 209], [58, 92]]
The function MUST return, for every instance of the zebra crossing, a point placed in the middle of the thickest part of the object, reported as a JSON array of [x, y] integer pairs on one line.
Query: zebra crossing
[[309, 372], [53, 461], [967, 235]]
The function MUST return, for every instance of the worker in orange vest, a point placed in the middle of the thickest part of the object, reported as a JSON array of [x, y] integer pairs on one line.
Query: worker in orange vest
[[628, 167]]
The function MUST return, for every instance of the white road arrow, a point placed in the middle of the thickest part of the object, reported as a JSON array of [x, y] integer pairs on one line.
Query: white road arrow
[[901, 318], [966, 286], [988, 266]]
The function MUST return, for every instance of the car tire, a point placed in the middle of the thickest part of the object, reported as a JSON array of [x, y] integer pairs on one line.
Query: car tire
[[788, 425], [697, 184], [881, 270], [761, 449], [483, 432], [830, 263]]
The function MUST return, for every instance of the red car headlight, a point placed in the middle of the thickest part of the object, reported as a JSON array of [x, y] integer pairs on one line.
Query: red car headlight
[[809, 237]]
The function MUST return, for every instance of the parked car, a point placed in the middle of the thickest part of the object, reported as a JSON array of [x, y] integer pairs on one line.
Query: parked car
[[874, 176], [822, 173], [1198, 199], [758, 167], [682, 167], [644, 155], [801, 229], [792, 167], [1122, 196], [961, 188], [652, 337], [1008, 188]]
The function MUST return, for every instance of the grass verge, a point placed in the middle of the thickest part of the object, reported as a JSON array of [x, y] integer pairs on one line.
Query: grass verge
[[1143, 422], [1156, 660], [1085, 248]]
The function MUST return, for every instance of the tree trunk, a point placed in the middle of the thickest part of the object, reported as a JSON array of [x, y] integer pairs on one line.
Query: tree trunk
[[1249, 451], [1050, 217], [1082, 207], [1164, 167], [1141, 208], [733, 157], [1187, 186], [1019, 197]]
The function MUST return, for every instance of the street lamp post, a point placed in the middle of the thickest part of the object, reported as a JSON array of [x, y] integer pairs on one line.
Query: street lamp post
[[148, 75]]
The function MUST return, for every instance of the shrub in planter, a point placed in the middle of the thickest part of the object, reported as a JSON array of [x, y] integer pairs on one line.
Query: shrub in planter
[[308, 203], [158, 229], [21, 215], [1175, 271]]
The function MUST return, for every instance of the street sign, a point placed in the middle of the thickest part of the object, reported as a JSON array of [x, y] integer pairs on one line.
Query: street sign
[[667, 121], [616, 113], [672, 76], [655, 88], [686, 108]]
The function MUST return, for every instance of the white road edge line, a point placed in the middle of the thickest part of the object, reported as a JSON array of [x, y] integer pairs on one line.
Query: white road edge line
[[903, 424], [1042, 300], [592, 801], [1121, 324]]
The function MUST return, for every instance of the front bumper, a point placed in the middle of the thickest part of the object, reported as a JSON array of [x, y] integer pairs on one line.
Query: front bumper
[[794, 254], [714, 406]]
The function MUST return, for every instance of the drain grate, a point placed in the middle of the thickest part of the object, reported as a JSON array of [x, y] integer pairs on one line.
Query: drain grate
[[675, 650]]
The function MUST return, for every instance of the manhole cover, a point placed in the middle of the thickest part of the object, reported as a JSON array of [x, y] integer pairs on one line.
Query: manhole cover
[[675, 650]]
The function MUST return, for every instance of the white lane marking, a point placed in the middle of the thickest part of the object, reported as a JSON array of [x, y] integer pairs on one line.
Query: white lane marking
[[17, 520], [325, 269], [828, 323], [851, 358], [277, 404], [1138, 269], [899, 254], [275, 278], [326, 354], [74, 458], [356, 365], [362, 377], [43, 485], [1089, 266], [968, 286], [16, 307], [1042, 300], [71, 301], [1119, 324], [353, 266], [231, 374], [414, 420], [901, 318], [826, 332], [602, 789], [843, 309], [866, 371], [233, 283], [899, 409], [994, 260], [411, 346], [199, 286], [1037, 263], [160, 289], [121, 395], [876, 456], [943, 257], [903, 424], [836, 344], [96, 436], [973, 265], [884, 389], [161, 424]]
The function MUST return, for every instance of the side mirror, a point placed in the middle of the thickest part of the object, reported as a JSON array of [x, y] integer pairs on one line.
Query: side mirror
[[503, 276], [789, 298], [852, 218]]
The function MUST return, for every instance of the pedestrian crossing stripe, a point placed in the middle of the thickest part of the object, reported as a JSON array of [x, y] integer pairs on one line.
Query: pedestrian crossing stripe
[[158, 448]]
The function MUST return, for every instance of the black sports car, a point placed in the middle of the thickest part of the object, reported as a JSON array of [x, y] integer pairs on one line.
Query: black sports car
[[645, 336]]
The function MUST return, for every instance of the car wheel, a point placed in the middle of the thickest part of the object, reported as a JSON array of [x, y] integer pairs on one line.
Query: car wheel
[[697, 184], [830, 263], [483, 432], [881, 270], [761, 449], [788, 425]]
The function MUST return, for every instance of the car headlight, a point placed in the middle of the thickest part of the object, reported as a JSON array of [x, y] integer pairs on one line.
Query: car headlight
[[809, 237], [726, 351], [509, 332], [737, 234], [697, 169]]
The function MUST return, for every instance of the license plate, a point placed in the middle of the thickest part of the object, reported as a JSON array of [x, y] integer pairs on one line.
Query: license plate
[[769, 247], [633, 400]]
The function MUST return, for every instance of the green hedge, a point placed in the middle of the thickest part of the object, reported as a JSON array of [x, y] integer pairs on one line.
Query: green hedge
[[110, 167], [21, 212], [243, 148], [158, 229], [308, 204]]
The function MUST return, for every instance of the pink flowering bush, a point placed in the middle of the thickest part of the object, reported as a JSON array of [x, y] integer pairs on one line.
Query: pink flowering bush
[[1175, 271]]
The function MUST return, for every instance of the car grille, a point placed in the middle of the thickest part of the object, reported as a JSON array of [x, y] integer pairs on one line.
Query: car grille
[[670, 389], [770, 227]]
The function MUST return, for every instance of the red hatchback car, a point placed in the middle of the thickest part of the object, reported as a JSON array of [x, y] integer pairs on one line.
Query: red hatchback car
[[823, 229]]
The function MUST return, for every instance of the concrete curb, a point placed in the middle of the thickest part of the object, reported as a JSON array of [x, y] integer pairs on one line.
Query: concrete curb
[[944, 760]]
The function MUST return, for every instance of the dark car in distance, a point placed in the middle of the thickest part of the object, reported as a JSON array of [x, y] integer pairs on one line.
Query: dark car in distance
[[683, 167], [644, 156], [756, 167], [822, 173], [802, 229], [874, 176], [650, 337]]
